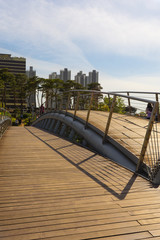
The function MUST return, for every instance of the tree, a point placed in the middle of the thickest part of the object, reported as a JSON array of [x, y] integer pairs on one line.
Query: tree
[[119, 106], [68, 86], [51, 88], [5, 79], [94, 86], [2, 86], [107, 102], [57, 86], [21, 80], [97, 96], [13, 89]]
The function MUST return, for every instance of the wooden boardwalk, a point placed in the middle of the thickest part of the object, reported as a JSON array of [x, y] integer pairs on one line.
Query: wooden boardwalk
[[53, 189]]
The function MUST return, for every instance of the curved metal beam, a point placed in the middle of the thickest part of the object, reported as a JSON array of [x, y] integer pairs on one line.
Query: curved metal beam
[[94, 138]]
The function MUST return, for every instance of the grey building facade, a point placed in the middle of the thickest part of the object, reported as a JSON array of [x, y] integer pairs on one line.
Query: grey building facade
[[15, 65], [65, 74], [31, 100], [53, 75], [31, 73], [84, 80]]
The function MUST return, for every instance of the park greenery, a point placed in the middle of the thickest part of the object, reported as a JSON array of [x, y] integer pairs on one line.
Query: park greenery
[[19, 88]]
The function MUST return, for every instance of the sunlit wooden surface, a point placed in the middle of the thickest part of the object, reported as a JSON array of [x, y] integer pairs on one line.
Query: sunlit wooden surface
[[127, 130], [53, 189]]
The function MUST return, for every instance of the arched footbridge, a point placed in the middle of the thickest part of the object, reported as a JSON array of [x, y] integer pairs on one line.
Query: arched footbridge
[[118, 133]]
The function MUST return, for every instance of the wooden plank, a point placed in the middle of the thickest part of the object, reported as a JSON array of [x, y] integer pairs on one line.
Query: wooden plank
[[124, 129], [155, 233], [133, 236], [66, 192]]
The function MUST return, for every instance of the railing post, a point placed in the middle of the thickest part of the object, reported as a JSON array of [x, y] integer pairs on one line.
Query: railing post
[[147, 136], [129, 103], [158, 117], [109, 118], [89, 109], [109, 101], [77, 104]]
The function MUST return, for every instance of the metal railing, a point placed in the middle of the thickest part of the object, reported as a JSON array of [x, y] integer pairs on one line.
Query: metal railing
[[153, 96], [5, 121], [137, 135]]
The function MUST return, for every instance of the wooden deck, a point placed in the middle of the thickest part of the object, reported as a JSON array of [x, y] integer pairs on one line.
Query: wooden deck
[[128, 131], [53, 189]]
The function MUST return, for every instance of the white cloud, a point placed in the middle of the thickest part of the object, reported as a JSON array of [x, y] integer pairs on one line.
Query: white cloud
[[38, 28], [43, 68], [53, 34], [135, 83], [108, 82], [100, 26]]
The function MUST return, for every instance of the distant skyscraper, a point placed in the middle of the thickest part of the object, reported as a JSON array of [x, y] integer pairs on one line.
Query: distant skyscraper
[[85, 80], [31, 101], [15, 65], [81, 78], [31, 73], [93, 77], [53, 75], [65, 74]]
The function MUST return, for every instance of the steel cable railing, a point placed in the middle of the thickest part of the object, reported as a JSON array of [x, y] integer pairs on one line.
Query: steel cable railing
[[152, 157], [138, 135]]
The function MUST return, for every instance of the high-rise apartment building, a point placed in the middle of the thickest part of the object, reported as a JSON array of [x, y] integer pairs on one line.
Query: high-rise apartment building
[[14, 65], [53, 75], [81, 78], [65, 74], [31, 100], [93, 77], [85, 80], [31, 73]]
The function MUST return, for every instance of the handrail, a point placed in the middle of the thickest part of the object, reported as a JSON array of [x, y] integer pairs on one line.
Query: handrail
[[139, 92], [4, 124], [114, 94], [5, 121], [147, 154]]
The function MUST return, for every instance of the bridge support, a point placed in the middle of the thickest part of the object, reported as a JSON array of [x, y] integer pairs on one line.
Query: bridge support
[[57, 126], [50, 129], [63, 129], [74, 129]]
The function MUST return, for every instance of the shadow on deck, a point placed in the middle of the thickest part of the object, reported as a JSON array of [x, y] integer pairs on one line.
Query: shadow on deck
[[91, 137], [103, 171]]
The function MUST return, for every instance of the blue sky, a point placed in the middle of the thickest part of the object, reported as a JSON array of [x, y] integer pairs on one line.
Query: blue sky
[[118, 38]]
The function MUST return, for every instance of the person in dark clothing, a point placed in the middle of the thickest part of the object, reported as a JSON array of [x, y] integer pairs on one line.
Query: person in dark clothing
[[149, 110], [41, 109]]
